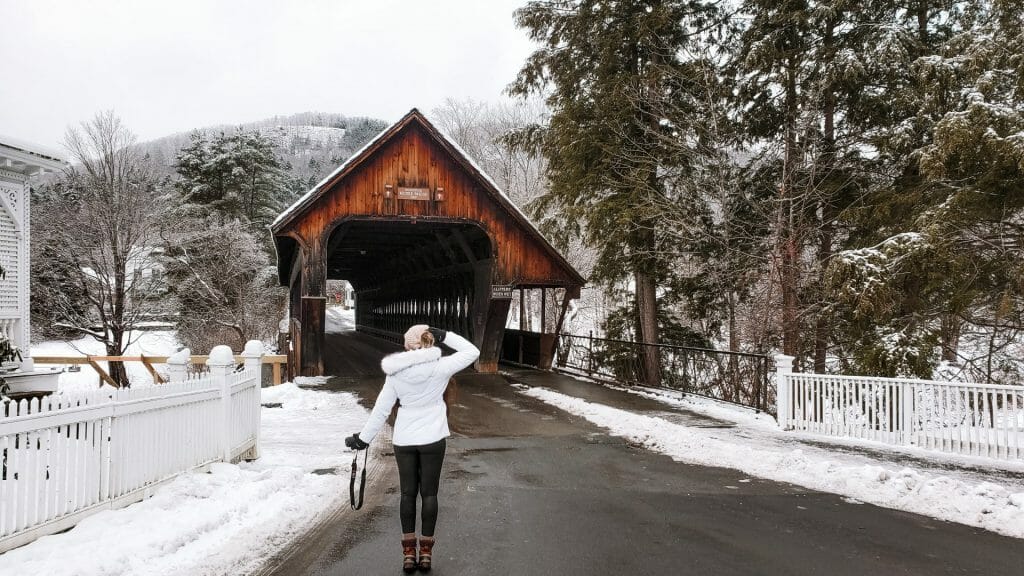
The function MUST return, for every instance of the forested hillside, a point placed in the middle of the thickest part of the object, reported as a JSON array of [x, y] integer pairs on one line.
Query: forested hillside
[[310, 143]]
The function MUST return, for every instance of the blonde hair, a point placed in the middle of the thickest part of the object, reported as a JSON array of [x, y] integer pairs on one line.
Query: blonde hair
[[426, 339]]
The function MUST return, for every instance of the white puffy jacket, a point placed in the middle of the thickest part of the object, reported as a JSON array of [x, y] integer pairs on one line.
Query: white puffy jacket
[[417, 379]]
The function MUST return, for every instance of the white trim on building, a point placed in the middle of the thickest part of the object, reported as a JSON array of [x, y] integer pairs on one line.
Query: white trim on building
[[20, 165]]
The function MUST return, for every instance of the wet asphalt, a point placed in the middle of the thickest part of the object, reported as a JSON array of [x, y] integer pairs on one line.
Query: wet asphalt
[[531, 490]]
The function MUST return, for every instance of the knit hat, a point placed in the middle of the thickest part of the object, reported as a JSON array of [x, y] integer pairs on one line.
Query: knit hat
[[414, 335]]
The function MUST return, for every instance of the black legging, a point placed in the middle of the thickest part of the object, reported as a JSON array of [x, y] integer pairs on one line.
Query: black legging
[[419, 471]]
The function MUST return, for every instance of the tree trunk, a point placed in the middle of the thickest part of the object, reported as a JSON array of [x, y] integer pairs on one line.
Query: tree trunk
[[647, 315], [950, 336], [734, 338], [117, 369], [788, 244], [822, 326], [922, 21]]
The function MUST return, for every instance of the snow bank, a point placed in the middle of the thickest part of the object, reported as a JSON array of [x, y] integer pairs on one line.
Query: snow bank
[[339, 320], [984, 504], [227, 521]]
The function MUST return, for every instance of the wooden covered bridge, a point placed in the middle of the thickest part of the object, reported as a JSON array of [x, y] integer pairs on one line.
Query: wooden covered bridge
[[423, 236]]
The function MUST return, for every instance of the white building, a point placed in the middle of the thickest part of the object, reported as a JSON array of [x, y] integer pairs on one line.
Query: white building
[[21, 164]]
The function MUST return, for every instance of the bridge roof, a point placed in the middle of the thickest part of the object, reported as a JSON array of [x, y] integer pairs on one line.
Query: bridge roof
[[291, 216]]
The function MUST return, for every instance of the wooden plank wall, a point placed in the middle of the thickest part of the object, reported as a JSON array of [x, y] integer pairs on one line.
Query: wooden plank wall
[[413, 159]]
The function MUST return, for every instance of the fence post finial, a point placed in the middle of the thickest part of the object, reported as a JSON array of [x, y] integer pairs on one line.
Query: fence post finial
[[253, 354], [177, 365], [783, 367], [221, 363]]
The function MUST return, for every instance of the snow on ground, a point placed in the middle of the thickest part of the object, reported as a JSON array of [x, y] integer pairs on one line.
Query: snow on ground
[[226, 521], [340, 320], [147, 343], [996, 504]]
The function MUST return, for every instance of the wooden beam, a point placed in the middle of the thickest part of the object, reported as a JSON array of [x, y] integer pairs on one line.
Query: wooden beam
[[522, 309], [157, 378], [561, 315], [464, 244], [400, 280], [418, 256], [103, 373], [543, 310], [446, 247], [312, 318], [194, 359]]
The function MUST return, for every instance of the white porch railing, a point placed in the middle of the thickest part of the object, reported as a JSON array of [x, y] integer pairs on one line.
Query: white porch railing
[[971, 419], [66, 457]]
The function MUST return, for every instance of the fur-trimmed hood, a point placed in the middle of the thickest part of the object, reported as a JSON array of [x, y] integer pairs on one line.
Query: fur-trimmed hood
[[394, 363], [417, 379]]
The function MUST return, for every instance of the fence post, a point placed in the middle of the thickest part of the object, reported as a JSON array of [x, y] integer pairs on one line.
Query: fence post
[[253, 355], [221, 363], [907, 412], [590, 353], [177, 365], [783, 367]]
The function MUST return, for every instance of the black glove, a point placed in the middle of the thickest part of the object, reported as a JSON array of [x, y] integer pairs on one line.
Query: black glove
[[355, 443], [438, 334]]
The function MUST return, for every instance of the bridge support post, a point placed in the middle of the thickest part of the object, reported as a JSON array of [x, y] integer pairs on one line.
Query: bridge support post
[[493, 333], [312, 317]]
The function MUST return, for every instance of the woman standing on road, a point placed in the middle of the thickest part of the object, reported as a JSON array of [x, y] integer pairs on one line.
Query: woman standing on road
[[417, 379]]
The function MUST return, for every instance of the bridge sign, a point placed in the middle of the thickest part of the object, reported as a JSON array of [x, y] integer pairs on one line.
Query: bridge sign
[[414, 193], [501, 292]]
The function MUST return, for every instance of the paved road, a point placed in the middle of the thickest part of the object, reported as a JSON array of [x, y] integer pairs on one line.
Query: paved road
[[531, 490]]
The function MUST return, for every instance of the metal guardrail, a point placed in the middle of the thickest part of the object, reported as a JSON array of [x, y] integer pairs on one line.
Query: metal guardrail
[[736, 377]]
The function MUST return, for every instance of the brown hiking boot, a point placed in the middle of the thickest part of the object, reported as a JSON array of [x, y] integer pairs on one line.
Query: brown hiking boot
[[409, 553], [426, 551]]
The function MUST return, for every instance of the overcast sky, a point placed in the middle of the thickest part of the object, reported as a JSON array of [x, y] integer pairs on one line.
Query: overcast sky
[[169, 66]]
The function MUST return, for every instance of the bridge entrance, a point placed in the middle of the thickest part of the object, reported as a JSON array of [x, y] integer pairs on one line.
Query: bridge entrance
[[423, 236]]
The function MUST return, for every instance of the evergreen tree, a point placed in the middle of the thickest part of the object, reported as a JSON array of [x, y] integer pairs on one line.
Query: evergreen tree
[[238, 175], [800, 80], [603, 68], [943, 229]]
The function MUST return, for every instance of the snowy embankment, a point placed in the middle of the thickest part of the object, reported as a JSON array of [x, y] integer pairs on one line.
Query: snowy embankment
[[339, 320], [991, 505], [227, 521]]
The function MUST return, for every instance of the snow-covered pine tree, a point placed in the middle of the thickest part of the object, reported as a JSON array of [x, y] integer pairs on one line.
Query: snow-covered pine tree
[[238, 175], [936, 247]]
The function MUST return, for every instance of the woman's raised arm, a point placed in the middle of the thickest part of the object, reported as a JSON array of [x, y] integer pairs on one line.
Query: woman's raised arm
[[465, 352]]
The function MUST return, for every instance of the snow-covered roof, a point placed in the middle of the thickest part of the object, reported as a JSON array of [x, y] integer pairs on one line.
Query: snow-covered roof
[[31, 148], [27, 157]]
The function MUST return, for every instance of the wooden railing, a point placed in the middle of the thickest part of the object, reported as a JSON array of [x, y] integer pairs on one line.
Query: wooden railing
[[277, 361]]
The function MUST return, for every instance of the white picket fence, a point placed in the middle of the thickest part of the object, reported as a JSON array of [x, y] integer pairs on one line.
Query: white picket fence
[[971, 419], [68, 456]]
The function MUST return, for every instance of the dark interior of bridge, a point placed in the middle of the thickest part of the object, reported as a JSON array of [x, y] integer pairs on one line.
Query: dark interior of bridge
[[408, 271], [372, 253]]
